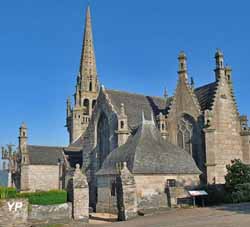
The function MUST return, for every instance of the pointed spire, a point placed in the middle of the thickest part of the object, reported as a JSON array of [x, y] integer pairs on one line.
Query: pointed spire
[[68, 107], [88, 72], [165, 93]]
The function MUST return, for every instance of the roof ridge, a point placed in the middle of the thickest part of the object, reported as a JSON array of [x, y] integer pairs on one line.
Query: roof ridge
[[138, 94], [31, 145]]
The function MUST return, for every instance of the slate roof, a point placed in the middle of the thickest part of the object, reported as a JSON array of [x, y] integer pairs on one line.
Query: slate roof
[[136, 103], [205, 95], [45, 155], [147, 153]]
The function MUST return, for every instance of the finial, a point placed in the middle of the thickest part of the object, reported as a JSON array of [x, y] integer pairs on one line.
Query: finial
[[165, 93], [122, 109], [23, 125], [218, 53], [192, 82], [182, 55]]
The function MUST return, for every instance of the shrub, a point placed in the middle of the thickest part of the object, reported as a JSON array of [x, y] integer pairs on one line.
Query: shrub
[[237, 173], [241, 193], [7, 193], [45, 198]]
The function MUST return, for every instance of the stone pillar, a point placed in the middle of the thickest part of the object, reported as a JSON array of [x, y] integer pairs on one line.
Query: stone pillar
[[126, 194], [210, 155], [80, 196]]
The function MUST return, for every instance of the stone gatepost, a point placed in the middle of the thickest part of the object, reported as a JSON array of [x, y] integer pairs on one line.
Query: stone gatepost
[[126, 194], [80, 196]]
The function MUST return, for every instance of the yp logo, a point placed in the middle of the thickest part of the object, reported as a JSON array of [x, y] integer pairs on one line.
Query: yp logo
[[15, 206]]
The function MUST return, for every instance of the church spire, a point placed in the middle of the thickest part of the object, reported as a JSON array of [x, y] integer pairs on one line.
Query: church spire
[[87, 86], [88, 72]]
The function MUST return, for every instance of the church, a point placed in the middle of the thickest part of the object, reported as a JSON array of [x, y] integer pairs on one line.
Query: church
[[182, 140]]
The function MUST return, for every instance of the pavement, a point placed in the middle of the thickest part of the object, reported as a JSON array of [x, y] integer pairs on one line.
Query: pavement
[[235, 215]]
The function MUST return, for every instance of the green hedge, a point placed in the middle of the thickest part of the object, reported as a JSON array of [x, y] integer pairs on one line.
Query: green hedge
[[45, 198], [7, 193], [39, 198]]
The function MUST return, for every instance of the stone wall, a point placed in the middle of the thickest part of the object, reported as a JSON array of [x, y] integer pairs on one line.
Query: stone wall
[[13, 212], [60, 213], [151, 189], [225, 143], [126, 195], [80, 196], [186, 103], [43, 177], [91, 148]]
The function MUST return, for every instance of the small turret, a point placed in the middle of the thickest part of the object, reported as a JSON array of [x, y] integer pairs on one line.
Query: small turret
[[23, 139], [182, 65], [161, 121], [228, 72], [219, 61], [123, 131]]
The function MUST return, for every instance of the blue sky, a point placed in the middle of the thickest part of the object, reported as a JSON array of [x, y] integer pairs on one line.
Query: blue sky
[[136, 43]]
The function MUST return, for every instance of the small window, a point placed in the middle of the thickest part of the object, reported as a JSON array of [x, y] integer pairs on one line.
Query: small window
[[122, 124], [23, 133], [90, 86], [182, 65], [163, 127], [171, 183], [113, 188]]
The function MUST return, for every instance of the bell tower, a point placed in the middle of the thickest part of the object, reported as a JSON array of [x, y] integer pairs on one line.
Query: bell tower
[[87, 87]]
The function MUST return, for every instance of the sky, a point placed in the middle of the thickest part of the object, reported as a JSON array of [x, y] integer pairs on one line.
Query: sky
[[136, 43]]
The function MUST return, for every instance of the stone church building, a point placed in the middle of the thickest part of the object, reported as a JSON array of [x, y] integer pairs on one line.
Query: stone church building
[[180, 140]]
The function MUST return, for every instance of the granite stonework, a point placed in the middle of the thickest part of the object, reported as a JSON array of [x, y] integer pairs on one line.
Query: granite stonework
[[61, 213], [126, 195], [80, 196], [195, 133], [14, 212]]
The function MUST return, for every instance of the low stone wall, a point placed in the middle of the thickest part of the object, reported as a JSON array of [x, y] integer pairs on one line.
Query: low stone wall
[[60, 213], [13, 212]]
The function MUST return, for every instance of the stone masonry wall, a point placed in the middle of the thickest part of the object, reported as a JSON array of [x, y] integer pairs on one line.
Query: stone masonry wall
[[43, 177], [151, 189], [61, 213], [225, 121], [13, 212]]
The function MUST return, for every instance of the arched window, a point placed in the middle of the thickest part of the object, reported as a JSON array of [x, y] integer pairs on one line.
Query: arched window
[[122, 124], [90, 86], [185, 133], [103, 142], [86, 105]]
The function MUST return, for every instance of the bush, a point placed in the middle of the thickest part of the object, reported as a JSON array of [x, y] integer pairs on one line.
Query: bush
[[237, 173], [7, 193], [241, 193], [45, 198]]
